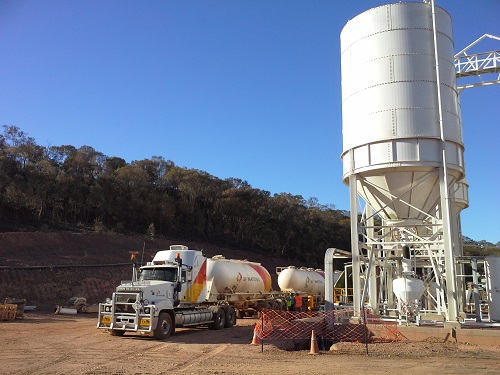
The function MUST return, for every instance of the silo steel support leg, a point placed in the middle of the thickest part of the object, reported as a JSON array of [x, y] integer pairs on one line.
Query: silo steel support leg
[[372, 275], [356, 281]]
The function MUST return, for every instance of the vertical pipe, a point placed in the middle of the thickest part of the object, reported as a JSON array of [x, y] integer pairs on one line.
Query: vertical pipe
[[329, 279], [475, 282], [346, 288], [451, 289]]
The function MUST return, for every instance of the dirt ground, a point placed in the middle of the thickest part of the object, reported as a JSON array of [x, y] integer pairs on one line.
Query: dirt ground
[[44, 343]]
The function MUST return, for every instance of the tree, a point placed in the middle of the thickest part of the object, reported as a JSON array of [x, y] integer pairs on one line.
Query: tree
[[242, 212], [81, 186]]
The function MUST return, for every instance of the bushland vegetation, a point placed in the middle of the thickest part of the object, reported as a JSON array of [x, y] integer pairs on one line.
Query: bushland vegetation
[[64, 187]]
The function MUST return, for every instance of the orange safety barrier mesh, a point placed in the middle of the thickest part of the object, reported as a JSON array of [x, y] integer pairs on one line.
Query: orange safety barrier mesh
[[329, 325], [390, 329]]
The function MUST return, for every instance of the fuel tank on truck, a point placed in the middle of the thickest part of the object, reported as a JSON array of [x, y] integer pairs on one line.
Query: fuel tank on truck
[[306, 280], [236, 276]]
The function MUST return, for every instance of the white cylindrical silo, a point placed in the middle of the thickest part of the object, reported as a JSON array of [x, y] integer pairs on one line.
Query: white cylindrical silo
[[390, 108]]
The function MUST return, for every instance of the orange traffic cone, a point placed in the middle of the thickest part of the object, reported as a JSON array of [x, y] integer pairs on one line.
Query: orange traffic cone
[[256, 338], [314, 344]]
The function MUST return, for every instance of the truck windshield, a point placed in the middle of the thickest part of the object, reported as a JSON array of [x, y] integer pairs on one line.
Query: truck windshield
[[164, 274]]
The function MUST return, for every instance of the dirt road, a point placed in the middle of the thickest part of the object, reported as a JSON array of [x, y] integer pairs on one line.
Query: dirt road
[[62, 344]]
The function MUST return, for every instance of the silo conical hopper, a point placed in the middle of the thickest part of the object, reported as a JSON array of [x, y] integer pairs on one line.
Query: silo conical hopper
[[391, 121]]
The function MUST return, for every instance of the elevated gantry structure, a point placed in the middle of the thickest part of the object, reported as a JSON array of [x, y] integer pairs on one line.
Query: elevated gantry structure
[[477, 65]]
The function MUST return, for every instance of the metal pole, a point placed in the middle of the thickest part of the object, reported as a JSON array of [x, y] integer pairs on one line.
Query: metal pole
[[329, 279], [262, 328], [475, 282], [451, 289]]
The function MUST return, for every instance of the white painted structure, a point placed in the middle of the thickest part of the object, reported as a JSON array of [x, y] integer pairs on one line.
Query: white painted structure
[[403, 152], [492, 265]]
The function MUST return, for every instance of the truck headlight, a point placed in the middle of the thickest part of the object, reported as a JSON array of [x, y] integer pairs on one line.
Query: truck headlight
[[147, 310]]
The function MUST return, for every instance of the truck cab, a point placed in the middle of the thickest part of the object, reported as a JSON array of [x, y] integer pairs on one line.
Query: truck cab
[[166, 293]]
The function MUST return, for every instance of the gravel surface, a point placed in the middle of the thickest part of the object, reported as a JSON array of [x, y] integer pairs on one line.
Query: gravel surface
[[44, 343]]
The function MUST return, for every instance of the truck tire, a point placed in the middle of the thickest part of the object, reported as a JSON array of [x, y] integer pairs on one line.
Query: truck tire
[[219, 319], [230, 317], [164, 326], [117, 332], [281, 304], [275, 305]]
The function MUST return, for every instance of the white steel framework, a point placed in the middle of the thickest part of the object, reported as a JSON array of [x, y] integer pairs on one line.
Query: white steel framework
[[477, 65], [432, 245], [378, 257]]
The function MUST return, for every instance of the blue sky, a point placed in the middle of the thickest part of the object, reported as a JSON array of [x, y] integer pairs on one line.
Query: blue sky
[[247, 89]]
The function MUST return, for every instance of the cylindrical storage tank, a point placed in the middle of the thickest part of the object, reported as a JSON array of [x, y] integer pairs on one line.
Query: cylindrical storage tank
[[236, 276], [390, 107], [305, 280], [492, 265]]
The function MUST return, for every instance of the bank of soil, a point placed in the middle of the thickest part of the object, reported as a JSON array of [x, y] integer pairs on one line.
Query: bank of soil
[[61, 344], [49, 268]]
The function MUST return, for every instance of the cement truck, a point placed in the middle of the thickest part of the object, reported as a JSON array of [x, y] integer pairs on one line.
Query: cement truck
[[180, 287]]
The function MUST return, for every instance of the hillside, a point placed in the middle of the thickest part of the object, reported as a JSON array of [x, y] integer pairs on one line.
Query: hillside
[[40, 266]]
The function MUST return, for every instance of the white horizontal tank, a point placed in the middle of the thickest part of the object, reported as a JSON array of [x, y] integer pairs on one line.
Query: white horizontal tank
[[305, 280], [390, 112], [236, 276]]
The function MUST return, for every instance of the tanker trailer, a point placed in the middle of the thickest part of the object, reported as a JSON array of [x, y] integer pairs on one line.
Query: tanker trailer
[[306, 280], [181, 288], [242, 284], [307, 283]]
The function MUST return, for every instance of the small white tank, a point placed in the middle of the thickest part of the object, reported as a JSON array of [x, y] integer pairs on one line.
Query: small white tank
[[306, 280], [408, 289], [236, 276]]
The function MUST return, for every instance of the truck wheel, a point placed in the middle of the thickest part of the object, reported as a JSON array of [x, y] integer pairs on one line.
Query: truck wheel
[[281, 305], [275, 305], [219, 319], [117, 332], [230, 317], [163, 327]]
